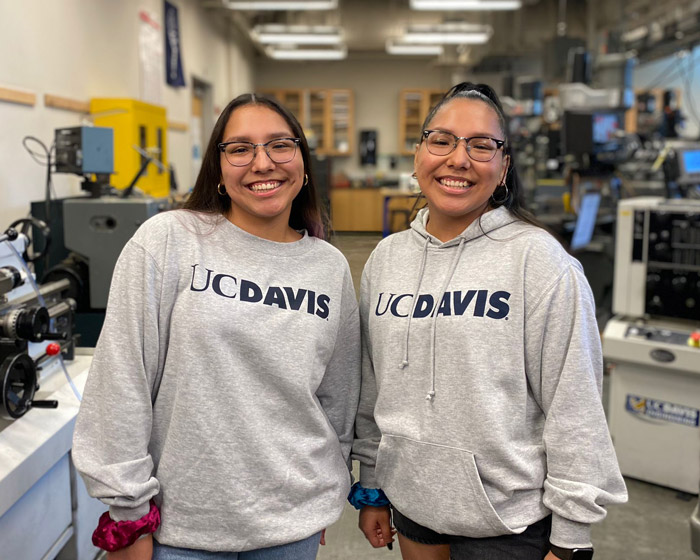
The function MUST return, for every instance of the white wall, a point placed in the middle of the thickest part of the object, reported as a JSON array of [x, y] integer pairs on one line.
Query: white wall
[[82, 49], [679, 72], [376, 83]]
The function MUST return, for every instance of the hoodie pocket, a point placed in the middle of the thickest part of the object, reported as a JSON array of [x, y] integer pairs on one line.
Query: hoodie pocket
[[438, 487]]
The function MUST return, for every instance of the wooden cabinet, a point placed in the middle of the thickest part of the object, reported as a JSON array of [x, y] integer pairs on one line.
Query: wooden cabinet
[[386, 209], [327, 116], [414, 106], [356, 210]]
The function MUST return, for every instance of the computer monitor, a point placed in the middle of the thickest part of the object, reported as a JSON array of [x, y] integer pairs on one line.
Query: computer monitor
[[690, 164], [592, 132], [605, 127], [585, 222]]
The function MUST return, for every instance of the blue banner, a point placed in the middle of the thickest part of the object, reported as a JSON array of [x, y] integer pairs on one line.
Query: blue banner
[[173, 61]]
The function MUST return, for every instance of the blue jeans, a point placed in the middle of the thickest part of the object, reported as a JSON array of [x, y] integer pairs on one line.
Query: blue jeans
[[300, 550]]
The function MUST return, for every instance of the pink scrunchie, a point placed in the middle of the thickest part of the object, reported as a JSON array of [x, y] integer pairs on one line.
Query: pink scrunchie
[[113, 535]]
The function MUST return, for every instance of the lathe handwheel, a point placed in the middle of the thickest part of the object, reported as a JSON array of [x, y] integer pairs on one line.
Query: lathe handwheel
[[18, 375]]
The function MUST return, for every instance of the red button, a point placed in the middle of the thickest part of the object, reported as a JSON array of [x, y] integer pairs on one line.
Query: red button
[[53, 349], [695, 336]]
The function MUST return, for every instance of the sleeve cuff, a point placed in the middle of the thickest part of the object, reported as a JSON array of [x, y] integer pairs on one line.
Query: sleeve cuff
[[368, 478], [118, 513], [570, 534]]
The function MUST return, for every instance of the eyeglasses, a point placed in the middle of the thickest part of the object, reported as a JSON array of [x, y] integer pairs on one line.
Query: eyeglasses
[[479, 148], [279, 150]]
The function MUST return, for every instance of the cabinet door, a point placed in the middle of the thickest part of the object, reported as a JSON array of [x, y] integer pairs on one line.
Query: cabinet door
[[411, 114], [293, 99], [317, 120], [341, 122]]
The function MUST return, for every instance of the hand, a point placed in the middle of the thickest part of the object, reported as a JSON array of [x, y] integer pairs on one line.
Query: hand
[[551, 556], [142, 549], [375, 523], [323, 537]]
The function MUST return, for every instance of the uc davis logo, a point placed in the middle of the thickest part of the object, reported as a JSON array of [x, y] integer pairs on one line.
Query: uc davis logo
[[654, 409]]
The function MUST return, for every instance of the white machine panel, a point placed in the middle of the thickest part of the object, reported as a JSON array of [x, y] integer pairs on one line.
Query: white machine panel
[[654, 409]]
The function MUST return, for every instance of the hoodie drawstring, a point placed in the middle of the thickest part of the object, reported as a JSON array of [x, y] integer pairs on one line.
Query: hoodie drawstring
[[404, 363], [453, 267]]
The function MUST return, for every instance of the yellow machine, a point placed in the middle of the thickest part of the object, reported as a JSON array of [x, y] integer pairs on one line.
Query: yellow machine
[[139, 131]]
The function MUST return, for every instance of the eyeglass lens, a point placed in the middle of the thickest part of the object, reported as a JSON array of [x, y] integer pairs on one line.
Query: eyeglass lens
[[242, 153], [444, 143]]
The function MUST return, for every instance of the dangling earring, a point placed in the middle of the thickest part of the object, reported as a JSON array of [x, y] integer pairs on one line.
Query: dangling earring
[[504, 199], [306, 180], [414, 175], [218, 188]]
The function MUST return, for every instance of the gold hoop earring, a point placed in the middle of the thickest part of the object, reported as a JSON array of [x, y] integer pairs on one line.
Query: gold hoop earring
[[218, 189], [306, 180]]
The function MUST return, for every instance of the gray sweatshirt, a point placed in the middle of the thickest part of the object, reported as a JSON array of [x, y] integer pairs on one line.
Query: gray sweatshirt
[[224, 385], [480, 410]]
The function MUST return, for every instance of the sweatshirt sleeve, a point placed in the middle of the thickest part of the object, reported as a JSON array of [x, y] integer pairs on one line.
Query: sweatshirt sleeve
[[367, 434], [339, 390], [113, 428], [565, 369]]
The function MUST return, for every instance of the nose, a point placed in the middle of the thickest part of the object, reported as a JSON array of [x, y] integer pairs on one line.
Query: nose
[[459, 156], [261, 161]]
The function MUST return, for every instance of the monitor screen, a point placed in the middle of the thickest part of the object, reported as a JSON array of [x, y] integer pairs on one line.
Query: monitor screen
[[691, 161], [585, 222], [605, 127]]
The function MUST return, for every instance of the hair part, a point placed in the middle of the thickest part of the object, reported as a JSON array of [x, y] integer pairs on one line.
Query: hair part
[[511, 193], [305, 213]]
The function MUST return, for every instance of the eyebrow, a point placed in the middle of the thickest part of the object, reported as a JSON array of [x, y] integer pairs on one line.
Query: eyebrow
[[477, 135], [273, 136]]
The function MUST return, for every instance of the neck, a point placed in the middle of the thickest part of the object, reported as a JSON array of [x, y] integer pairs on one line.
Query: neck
[[275, 229], [446, 228]]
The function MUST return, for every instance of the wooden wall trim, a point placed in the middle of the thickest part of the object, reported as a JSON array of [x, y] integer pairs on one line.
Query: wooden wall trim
[[177, 126], [66, 103], [17, 96]]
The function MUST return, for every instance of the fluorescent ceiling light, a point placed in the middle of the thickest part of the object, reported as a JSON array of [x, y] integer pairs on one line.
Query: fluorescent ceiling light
[[397, 47], [448, 34], [307, 54], [276, 34], [281, 4], [466, 5]]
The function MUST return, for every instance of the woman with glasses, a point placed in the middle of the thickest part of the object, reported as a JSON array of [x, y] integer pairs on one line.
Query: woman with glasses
[[218, 414], [480, 426]]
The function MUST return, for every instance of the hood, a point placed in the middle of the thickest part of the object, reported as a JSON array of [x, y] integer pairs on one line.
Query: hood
[[485, 224]]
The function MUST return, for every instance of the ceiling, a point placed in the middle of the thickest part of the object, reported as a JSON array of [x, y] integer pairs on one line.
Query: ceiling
[[367, 24]]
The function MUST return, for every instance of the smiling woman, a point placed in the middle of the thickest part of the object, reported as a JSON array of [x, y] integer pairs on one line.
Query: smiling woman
[[482, 366], [198, 424]]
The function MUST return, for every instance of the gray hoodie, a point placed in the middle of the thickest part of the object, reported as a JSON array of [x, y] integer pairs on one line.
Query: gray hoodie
[[224, 385], [480, 410]]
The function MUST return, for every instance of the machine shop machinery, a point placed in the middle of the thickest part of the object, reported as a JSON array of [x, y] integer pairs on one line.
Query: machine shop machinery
[[39, 488], [653, 342], [87, 233], [36, 326]]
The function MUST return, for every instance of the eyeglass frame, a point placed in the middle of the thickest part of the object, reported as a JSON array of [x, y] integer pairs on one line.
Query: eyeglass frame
[[499, 144], [222, 148]]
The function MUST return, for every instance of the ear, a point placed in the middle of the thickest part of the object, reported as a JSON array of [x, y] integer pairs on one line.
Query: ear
[[506, 166]]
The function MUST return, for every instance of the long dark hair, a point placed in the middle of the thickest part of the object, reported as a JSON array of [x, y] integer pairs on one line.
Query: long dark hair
[[511, 195], [305, 212]]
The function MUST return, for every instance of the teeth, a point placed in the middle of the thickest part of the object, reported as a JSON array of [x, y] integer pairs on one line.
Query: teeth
[[261, 187], [453, 183]]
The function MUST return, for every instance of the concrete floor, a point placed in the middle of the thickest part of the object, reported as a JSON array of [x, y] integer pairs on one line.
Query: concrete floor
[[653, 525]]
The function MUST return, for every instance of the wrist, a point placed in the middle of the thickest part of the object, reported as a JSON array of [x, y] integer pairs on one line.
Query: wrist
[[112, 535], [360, 497]]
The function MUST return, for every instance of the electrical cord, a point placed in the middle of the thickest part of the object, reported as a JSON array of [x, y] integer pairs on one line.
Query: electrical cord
[[43, 159]]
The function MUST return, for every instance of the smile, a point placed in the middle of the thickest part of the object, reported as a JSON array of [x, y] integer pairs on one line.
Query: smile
[[264, 186], [454, 183]]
